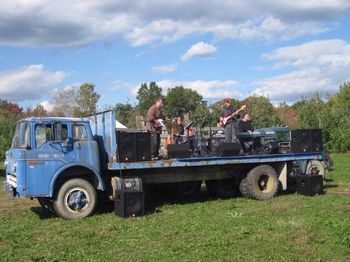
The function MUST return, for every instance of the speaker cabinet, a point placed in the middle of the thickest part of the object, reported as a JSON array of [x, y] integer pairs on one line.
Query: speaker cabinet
[[231, 149], [129, 204], [216, 145], [134, 146], [179, 150], [309, 185], [143, 143], [129, 197], [316, 136], [306, 140], [127, 148]]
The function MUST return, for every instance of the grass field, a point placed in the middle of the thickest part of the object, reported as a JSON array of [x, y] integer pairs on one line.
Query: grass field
[[290, 227]]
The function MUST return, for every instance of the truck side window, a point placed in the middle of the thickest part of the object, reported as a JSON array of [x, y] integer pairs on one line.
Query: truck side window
[[44, 133], [79, 132], [40, 135]]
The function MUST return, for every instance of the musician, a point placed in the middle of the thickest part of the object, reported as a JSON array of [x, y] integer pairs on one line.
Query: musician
[[229, 114], [245, 124], [244, 127], [179, 130], [154, 124]]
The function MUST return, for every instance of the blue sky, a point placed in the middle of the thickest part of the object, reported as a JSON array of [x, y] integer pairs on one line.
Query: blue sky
[[284, 50]]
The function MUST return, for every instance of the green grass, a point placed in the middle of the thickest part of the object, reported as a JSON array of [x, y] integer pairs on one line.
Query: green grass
[[290, 227]]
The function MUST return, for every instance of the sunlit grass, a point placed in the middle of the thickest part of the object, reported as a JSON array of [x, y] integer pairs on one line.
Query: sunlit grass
[[290, 227]]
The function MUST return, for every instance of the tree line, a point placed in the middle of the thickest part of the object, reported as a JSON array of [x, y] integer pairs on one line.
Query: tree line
[[332, 114]]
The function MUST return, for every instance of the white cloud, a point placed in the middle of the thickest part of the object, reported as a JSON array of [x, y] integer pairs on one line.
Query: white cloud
[[74, 23], [28, 83], [317, 66], [210, 90], [162, 69], [48, 106], [199, 49]]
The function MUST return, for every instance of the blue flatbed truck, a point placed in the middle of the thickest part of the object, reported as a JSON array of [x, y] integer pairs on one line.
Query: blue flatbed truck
[[66, 163]]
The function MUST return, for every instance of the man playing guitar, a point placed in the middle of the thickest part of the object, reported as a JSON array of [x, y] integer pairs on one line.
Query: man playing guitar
[[155, 123], [228, 120]]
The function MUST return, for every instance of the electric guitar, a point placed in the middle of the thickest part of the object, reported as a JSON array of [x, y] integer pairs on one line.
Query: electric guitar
[[224, 120], [159, 123]]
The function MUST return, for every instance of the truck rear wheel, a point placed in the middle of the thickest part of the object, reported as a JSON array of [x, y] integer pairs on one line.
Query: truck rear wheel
[[315, 167], [76, 198], [224, 188], [260, 183]]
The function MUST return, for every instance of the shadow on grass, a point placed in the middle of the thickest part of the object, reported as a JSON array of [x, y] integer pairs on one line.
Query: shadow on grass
[[42, 212], [155, 198]]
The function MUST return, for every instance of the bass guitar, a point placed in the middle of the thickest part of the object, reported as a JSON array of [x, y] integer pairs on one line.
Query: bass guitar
[[224, 120]]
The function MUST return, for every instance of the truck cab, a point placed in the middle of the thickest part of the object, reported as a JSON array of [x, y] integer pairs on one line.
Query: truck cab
[[47, 152]]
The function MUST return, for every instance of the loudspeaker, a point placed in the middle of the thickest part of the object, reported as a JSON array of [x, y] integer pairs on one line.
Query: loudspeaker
[[127, 148], [129, 197], [143, 142], [231, 149], [309, 185], [300, 140], [271, 147], [306, 140], [316, 136], [216, 145], [179, 150], [129, 204]]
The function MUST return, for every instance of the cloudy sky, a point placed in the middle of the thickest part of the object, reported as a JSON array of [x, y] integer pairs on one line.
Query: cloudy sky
[[283, 49]]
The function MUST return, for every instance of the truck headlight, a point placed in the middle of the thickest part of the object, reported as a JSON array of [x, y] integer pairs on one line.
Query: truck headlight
[[14, 166]]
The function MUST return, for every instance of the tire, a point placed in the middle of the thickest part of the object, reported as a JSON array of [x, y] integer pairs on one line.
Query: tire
[[76, 198], [243, 188], [46, 203], [224, 188], [315, 167], [261, 183], [188, 189]]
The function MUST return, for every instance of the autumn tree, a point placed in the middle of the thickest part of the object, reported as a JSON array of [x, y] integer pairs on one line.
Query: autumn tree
[[64, 101], [287, 115], [10, 113]]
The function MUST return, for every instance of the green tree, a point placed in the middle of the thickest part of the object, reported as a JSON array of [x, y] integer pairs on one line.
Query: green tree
[[86, 100], [262, 111], [338, 123], [125, 114], [311, 112], [146, 95], [180, 100]]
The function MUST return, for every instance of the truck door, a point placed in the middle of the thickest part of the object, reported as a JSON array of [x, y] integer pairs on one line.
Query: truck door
[[46, 156], [85, 148]]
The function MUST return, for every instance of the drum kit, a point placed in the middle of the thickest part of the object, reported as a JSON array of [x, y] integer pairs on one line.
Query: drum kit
[[197, 144]]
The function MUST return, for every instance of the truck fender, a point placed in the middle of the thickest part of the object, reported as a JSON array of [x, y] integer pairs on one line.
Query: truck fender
[[101, 185]]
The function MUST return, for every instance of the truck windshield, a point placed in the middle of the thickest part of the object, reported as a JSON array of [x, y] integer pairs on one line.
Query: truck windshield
[[21, 138]]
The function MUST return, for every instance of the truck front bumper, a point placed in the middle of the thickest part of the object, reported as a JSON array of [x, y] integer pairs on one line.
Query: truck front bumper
[[10, 190]]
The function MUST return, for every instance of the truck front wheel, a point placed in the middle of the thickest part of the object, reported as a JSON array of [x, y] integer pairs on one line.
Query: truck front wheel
[[76, 198], [260, 183]]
